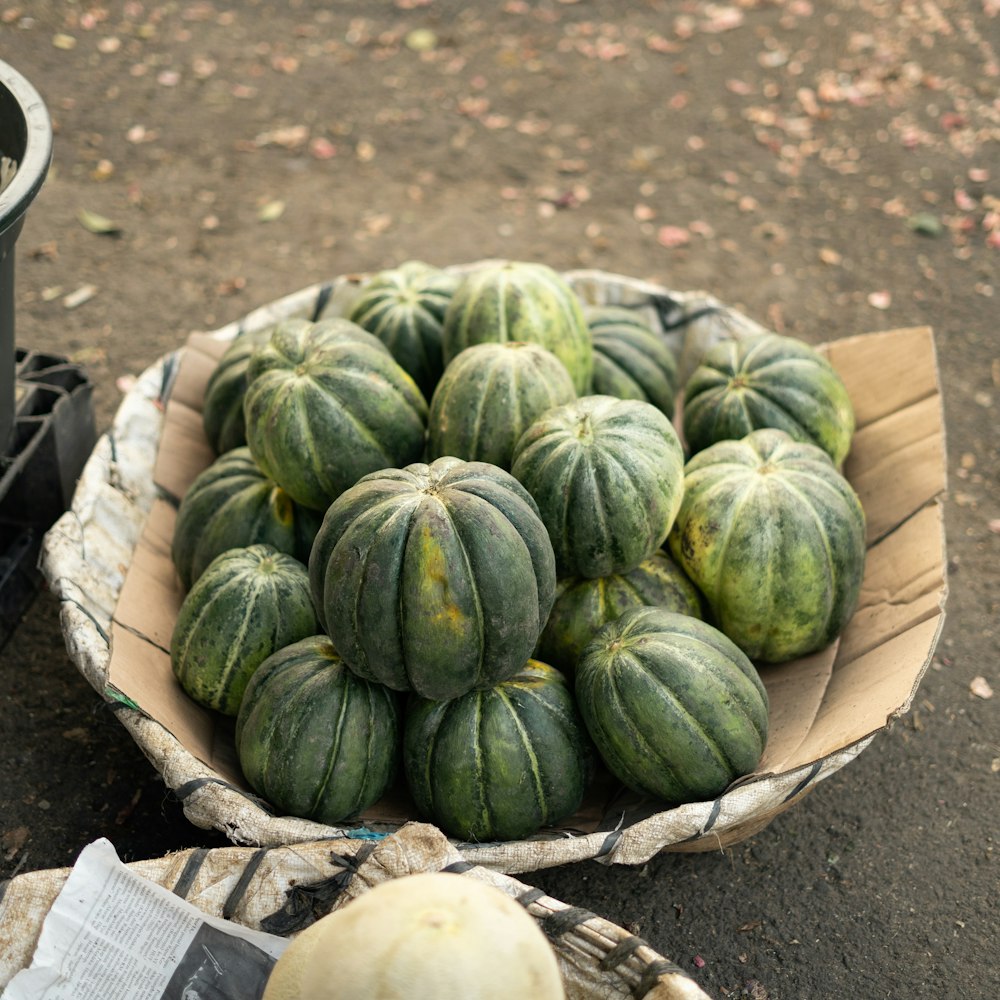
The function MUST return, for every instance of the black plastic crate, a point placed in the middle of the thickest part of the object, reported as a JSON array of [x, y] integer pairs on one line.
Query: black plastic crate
[[53, 435]]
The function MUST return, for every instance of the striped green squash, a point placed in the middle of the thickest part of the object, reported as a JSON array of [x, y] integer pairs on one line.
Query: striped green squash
[[582, 606], [231, 505], [326, 404], [774, 537], [607, 476], [247, 604], [675, 709], [312, 738], [489, 395], [434, 578], [404, 307], [222, 408], [501, 763], [630, 360], [521, 301], [767, 381]]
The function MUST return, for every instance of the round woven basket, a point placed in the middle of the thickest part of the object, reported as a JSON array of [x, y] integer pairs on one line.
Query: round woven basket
[[87, 552], [283, 890]]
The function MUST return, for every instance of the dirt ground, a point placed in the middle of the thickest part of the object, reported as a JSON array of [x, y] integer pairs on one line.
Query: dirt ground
[[830, 168]]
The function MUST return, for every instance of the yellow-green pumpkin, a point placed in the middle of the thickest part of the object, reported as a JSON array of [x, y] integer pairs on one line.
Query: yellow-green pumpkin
[[434, 578]]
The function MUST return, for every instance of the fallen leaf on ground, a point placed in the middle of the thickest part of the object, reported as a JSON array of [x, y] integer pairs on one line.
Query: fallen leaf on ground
[[980, 687], [672, 236], [421, 40], [83, 294], [287, 136], [926, 224], [94, 222], [271, 211], [13, 840]]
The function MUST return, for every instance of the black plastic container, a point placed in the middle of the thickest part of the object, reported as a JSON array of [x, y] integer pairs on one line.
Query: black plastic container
[[46, 407], [25, 140]]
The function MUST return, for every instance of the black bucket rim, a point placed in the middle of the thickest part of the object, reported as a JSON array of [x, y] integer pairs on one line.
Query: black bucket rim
[[33, 164]]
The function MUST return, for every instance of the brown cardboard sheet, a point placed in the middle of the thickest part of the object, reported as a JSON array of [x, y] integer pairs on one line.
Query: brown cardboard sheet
[[819, 704]]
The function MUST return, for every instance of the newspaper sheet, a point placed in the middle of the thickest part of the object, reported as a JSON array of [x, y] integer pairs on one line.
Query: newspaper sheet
[[113, 935]]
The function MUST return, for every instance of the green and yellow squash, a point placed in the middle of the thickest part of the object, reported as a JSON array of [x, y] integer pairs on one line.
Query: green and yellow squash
[[774, 537], [583, 605], [312, 738], [675, 709], [500, 763], [231, 505], [222, 408], [521, 301], [630, 360], [248, 603], [434, 578], [404, 307], [607, 475], [326, 404], [489, 395], [767, 381]]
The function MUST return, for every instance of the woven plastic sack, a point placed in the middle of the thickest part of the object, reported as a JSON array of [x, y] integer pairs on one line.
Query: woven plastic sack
[[86, 554], [284, 890]]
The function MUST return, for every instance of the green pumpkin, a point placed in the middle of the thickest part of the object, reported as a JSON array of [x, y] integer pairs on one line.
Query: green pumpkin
[[675, 709], [231, 505], [247, 604], [630, 360], [312, 738], [582, 606], [489, 395], [774, 537], [326, 404], [404, 307], [607, 476], [520, 301], [500, 763], [222, 408], [434, 578], [767, 381]]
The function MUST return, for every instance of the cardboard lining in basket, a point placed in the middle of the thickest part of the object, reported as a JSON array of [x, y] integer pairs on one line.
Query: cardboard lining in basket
[[821, 705]]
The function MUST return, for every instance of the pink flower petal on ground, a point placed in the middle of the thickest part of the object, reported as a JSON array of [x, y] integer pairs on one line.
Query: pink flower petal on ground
[[880, 300], [673, 236]]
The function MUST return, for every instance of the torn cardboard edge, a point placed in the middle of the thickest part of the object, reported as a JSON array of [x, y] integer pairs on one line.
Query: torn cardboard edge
[[820, 704]]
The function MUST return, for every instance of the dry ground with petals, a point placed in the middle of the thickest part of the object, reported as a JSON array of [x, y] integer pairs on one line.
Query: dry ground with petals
[[828, 167]]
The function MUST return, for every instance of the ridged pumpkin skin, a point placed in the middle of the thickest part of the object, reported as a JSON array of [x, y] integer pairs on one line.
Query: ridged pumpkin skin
[[583, 606], [768, 381], [312, 738], [246, 605], [607, 475], [434, 578], [498, 764], [675, 709], [231, 505], [327, 403], [520, 301], [222, 408], [425, 936], [630, 360], [404, 307], [488, 397], [774, 537]]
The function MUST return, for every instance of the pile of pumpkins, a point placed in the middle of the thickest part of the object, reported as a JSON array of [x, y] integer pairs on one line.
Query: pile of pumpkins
[[455, 534]]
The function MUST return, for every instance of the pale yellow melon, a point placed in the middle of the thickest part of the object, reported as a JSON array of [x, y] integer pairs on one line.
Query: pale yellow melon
[[431, 936]]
